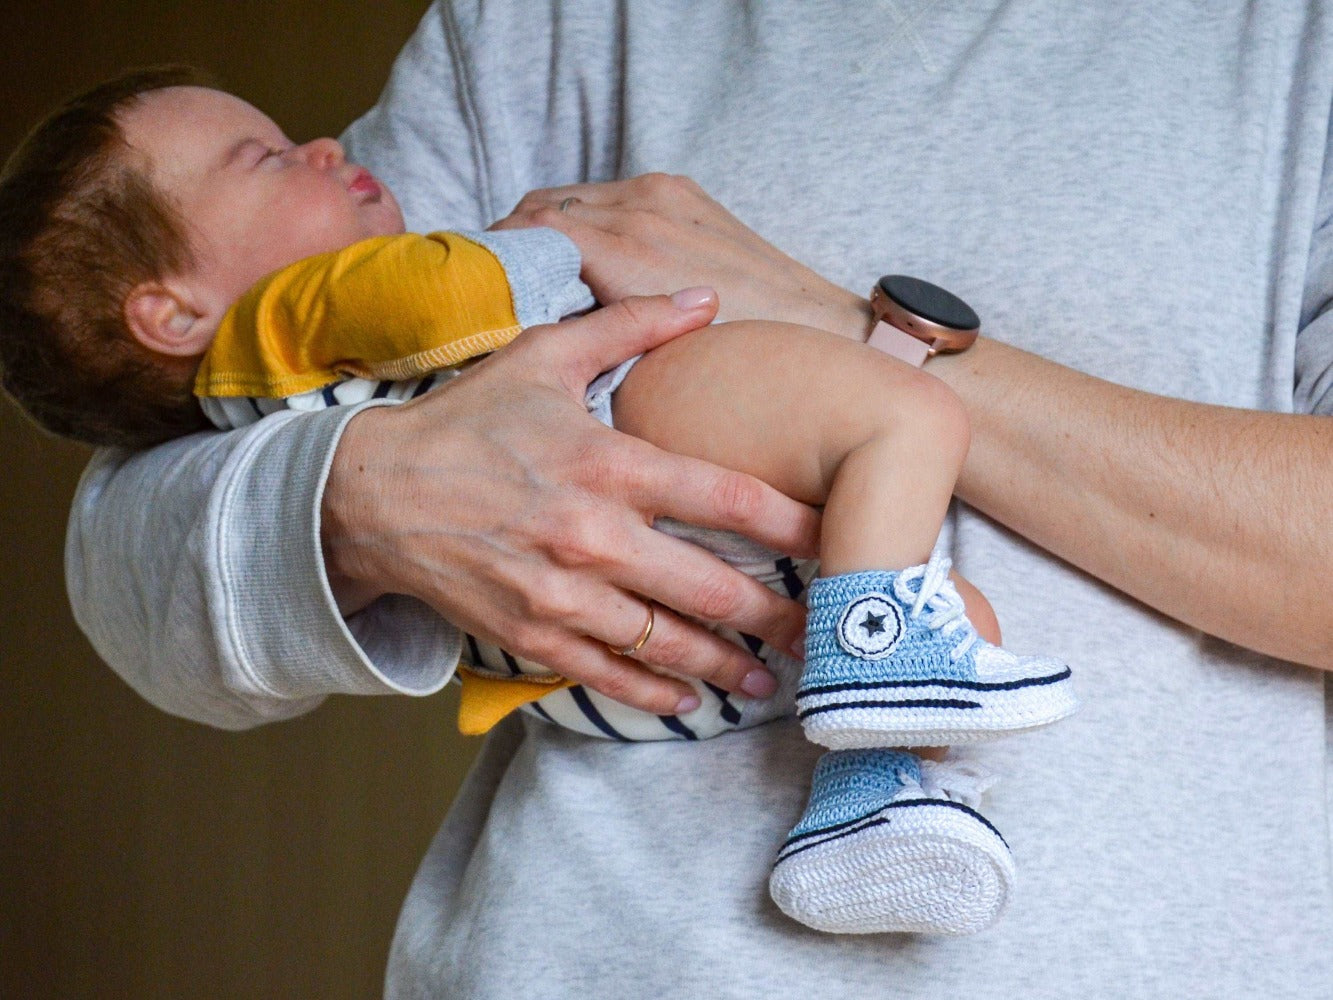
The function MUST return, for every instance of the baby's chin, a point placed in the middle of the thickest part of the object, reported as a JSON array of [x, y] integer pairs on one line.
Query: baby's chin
[[390, 221], [386, 207]]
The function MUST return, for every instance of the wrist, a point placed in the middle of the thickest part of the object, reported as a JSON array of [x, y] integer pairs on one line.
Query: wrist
[[347, 505], [915, 320], [848, 315], [955, 369]]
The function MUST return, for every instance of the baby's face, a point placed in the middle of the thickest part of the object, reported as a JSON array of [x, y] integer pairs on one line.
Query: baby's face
[[253, 201]]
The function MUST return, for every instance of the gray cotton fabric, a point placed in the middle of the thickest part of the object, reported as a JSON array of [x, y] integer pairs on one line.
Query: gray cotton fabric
[[1134, 190]]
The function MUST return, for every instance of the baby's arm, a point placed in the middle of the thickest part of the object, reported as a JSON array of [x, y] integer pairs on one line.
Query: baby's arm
[[821, 418]]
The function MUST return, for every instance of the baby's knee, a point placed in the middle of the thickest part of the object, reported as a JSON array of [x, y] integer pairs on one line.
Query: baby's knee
[[920, 404]]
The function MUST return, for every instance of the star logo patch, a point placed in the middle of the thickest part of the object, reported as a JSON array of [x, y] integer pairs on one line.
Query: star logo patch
[[870, 627]]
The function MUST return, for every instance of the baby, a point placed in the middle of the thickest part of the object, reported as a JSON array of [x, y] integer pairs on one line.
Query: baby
[[159, 238]]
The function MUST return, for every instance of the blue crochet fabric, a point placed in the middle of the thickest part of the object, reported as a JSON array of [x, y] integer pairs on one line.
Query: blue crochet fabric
[[891, 843], [892, 660], [856, 617], [851, 785]]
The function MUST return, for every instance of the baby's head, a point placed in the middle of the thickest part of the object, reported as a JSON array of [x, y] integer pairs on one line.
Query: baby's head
[[130, 221]]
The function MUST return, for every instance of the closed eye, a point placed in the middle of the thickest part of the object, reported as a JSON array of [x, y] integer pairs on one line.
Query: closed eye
[[262, 153]]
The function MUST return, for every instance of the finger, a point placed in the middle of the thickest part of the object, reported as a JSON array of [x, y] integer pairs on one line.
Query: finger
[[623, 624], [595, 230], [692, 581], [537, 641], [622, 232], [620, 678], [604, 193], [671, 643], [615, 262], [580, 219], [688, 649], [623, 218], [661, 191], [610, 231], [663, 484], [580, 633], [535, 211], [580, 349], [588, 225]]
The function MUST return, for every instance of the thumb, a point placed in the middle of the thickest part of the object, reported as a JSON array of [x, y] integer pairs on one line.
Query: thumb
[[579, 350]]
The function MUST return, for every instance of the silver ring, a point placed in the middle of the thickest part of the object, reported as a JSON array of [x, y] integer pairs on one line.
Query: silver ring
[[643, 636], [564, 207]]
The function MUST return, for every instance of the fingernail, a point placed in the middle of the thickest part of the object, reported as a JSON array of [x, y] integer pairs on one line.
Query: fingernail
[[759, 683], [687, 704], [689, 299], [798, 647]]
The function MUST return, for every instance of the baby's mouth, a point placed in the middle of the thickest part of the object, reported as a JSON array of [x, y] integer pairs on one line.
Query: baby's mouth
[[365, 187]]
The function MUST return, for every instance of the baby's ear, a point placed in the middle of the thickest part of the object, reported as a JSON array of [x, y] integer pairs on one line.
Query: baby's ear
[[163, 318]]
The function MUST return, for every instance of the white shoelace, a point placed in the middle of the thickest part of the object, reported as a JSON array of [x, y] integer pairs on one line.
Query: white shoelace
[[938, 597], [964, 783]]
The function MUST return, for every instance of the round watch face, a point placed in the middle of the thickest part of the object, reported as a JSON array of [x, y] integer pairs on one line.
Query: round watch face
[[939, 319], [930, 302]]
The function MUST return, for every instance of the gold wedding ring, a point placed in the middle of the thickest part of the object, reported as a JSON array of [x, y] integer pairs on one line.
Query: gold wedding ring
[[643, 636], [564, 207]]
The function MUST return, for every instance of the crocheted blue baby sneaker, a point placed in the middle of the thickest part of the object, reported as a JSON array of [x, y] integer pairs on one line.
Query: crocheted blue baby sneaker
[[891, 660], [892, 843]]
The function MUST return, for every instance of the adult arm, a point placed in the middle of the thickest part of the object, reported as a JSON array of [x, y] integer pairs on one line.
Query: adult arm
[[194, 570], [1214, 516], [197, 568], [149, 533]]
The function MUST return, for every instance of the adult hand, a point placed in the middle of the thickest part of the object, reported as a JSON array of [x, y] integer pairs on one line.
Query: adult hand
[[499, 501], [659, 231]]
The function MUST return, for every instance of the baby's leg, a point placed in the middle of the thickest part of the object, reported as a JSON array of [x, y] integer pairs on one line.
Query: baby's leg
[[891, 659], [886, 842], [789, 404], [823, 419]]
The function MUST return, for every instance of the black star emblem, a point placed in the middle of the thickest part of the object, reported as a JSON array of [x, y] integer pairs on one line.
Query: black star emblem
[[874, 624]]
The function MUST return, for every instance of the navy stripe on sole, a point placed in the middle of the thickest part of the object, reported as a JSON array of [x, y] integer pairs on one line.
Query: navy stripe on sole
[[943, 682], [805, 713], [850, 827]]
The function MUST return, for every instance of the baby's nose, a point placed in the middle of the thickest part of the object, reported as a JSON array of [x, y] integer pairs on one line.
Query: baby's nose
[[322, 153]]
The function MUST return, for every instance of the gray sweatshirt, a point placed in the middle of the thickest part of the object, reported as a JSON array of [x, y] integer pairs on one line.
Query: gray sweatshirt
[[1089, 176]]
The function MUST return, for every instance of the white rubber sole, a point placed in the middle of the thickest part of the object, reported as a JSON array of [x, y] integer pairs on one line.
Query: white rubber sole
[[917, 866], [848, 717]]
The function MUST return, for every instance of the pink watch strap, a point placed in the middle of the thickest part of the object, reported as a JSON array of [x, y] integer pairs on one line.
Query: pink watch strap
[[902, 346]]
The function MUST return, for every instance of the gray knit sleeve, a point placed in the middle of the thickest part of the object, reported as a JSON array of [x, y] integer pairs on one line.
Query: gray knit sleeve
[[195, 570]]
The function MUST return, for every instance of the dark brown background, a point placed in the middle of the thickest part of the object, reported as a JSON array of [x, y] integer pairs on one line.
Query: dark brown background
[[141, 855]]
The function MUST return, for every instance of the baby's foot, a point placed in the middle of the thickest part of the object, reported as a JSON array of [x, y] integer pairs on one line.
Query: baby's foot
[[891, 660], [892, 843]]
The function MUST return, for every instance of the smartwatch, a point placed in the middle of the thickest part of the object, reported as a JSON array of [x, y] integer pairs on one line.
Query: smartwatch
[[915, 320]]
